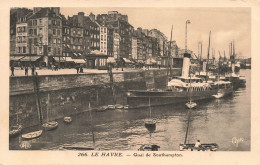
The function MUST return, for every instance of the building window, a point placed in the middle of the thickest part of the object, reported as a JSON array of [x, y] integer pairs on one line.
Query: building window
[[40, 20], [58, 51], [54, 41], [49, 49], [105, 30], [101, 37], [101, 30], [35, 31], [58, 41], [58, 32], [35, 41], [54, 32]]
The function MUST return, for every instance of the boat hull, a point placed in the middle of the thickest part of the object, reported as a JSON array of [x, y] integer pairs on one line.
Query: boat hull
[[32, 135], [15, 131], [50, 125], [140, 98]]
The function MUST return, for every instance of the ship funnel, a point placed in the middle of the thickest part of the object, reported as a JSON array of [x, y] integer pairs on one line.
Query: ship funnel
[[186, 65]]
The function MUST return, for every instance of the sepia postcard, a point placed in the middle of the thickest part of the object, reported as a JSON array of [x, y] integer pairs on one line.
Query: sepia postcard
[[132, 82]]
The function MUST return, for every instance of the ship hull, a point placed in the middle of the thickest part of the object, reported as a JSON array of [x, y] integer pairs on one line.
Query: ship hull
[[140, 98]]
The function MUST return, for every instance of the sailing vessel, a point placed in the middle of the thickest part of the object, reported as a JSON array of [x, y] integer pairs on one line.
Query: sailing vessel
[[15, 130], [150, 123], [49, 125], [35, 134], [191, 146], [83, 146]]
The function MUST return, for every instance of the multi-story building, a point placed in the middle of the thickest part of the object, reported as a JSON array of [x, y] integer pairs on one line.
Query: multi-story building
[[173, 49], [45, 30], [17, 15], [66, 38], [22, 46], [76, 37], [103, 38], [116, 45], [110, 41], [121, 26], [134, 47], [161, 39]]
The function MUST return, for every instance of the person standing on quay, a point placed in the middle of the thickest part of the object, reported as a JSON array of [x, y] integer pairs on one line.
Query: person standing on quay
[[26, 71], [77, 68], [33, 69], [12, 69]]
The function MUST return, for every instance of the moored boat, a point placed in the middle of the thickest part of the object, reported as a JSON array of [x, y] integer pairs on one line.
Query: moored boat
[[203, 147], [67, 119], [15, 131], [149, 147], [32, 135], [51, 125], [177, 90], [224, 88]]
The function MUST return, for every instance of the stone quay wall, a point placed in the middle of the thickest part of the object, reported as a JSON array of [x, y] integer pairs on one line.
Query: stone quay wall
[[73, 93]]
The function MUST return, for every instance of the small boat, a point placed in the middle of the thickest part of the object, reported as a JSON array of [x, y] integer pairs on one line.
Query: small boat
[[51, 125], [126, 107], [218, 95], [119, 106], [148, 147], [32, 135], [203, 147], [111, 107], [191, 105], [102, 109], [67, 119], [15, 131]]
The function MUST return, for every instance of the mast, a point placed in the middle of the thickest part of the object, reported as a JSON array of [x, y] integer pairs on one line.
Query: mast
[[48, 107], [208, 59], [187, 127], [169, 56], [93, 136], [150, 108]]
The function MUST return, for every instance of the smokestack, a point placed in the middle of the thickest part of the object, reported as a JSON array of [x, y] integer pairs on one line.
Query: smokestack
[[186, 65]]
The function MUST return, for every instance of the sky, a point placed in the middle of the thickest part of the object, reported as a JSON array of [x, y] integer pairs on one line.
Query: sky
[[225, 24]]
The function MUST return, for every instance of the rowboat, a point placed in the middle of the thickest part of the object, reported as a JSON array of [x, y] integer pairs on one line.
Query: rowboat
[[203, 147], [15, 131], [191, 105], [149, 147], [32, 135], [51, 125], [67, 119]]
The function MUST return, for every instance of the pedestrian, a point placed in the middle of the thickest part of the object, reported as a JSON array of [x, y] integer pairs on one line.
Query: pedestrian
[[26, 71], [12, 69], [33, 70], [81, 69], [77, 68]]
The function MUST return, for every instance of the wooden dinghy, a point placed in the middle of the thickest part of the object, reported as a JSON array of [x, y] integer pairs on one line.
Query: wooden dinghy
[[67, 119], [32, 135], [149, 147], [203, 147], [15, 131], [51, 125]]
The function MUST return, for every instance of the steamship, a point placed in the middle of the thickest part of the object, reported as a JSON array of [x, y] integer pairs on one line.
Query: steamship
[[178, 90]]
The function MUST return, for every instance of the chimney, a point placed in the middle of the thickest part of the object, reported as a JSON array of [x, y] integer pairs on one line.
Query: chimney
[[92, 17], [186, 65]]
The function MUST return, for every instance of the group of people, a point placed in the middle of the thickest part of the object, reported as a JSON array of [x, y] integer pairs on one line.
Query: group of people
[[26, 68], [79, 69]]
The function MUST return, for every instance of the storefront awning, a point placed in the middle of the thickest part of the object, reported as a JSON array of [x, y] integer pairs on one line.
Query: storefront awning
[[79, 61], [127, 61], [111, 60], [15, 58], [69, 59], [59, 59], [30, 58]]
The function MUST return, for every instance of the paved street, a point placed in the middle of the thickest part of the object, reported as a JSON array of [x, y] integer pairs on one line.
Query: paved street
[[20, 72]]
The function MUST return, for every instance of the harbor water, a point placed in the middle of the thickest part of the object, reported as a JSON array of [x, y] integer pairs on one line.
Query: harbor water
[[224, 121]]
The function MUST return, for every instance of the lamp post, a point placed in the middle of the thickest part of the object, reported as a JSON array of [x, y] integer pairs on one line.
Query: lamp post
[[187, 22]]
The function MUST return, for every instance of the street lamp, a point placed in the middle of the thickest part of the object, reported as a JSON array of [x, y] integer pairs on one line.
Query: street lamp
[[187, 22]]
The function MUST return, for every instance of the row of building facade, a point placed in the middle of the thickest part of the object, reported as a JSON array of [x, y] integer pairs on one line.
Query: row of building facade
[[46, 32]]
